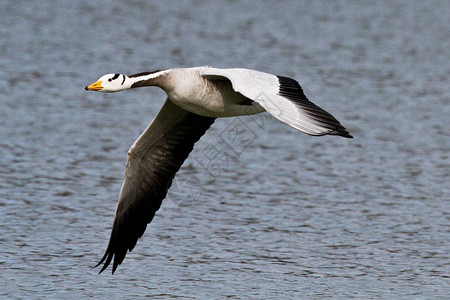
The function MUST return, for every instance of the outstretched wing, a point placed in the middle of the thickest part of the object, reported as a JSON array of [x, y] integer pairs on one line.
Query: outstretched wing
[[282, 97], [153, 160]]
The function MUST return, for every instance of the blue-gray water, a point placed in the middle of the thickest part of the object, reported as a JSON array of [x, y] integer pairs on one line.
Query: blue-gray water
[[259, 210]]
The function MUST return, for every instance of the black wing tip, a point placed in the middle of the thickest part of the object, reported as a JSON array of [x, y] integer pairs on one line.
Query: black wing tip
[[291, 89], [349, 136], [341, 131], [344, 133], [108, 257]]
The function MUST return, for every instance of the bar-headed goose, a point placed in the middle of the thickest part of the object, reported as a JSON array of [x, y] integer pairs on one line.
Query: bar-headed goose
[[196, 97]]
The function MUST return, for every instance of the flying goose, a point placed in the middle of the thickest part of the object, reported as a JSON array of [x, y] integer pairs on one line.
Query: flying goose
[[196, 97]]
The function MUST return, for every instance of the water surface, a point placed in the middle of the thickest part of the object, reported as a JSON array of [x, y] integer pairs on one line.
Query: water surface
[[259, 210]]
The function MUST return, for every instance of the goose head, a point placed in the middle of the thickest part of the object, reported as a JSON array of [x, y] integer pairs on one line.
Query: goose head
[[109, 83]]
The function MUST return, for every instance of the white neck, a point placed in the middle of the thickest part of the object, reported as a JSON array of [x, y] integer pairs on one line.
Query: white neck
[[144, 79]]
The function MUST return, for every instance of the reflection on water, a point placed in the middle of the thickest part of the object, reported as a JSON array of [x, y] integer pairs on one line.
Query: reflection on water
[[259, 210]]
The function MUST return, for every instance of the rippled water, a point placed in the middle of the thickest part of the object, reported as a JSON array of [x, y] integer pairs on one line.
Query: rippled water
[[259, 210]]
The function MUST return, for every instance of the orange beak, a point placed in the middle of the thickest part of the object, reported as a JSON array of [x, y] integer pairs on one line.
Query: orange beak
[[96, 86]]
